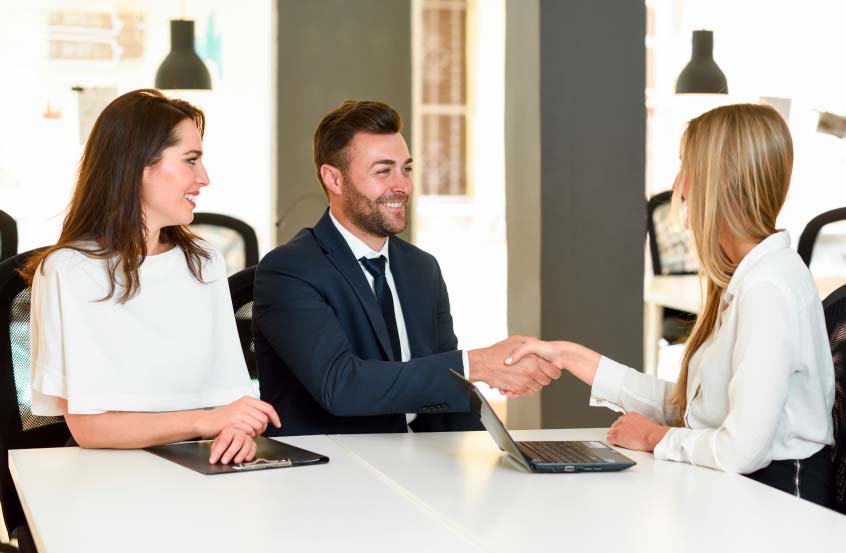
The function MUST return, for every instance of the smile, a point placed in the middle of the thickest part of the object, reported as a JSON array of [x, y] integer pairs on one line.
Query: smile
[[191, 197], [394, 205]]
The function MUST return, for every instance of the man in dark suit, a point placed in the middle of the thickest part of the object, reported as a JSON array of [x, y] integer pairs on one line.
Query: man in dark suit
[[353, 331]]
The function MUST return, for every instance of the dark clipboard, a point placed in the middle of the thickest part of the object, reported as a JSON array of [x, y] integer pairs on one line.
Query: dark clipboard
[[270, 454]]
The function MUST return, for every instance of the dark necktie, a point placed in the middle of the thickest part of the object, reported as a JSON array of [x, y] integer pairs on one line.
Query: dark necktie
[[376, 267]]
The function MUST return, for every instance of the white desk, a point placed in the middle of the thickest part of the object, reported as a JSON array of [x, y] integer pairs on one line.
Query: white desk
[[406, 492], [126, 501], [655, 506], [682, 292]]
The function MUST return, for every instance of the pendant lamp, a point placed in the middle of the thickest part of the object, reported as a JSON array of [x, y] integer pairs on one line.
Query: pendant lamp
[[701, 75], [182, 68]]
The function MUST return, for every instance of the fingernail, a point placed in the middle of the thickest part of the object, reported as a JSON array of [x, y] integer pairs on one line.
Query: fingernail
[[509, 361]]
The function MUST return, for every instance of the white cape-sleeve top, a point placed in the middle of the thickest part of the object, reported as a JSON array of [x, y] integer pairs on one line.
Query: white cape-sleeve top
[[173, 346]]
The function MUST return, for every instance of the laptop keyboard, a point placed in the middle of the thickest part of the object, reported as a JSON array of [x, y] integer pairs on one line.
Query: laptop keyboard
[[566, 452]]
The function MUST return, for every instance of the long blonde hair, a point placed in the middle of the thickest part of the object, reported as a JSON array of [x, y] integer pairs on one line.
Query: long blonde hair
[[736, 165]]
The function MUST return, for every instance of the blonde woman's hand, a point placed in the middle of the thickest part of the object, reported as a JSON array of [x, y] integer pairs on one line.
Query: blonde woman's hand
[[580, 361], [248, 414], [232, 445], [636, 432], [549, 351]]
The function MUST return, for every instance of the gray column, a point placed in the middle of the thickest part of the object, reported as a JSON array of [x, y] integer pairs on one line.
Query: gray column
[[591, 209], [523, 185], [331, 51]]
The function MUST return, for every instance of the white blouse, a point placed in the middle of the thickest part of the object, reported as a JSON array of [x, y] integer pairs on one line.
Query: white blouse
[[761, 388], [174, 346]]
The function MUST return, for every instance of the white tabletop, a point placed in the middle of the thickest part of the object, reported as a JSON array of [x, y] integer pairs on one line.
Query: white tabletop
[[653, 506], [93, 501], [406, 492]]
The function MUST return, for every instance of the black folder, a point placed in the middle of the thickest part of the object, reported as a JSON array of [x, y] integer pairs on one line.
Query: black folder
[[270, 454]]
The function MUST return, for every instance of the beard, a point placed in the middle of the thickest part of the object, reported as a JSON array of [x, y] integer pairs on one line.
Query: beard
[[365, 213]]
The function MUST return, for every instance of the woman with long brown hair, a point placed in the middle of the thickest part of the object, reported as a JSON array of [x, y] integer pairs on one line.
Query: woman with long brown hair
[[133, 337], [756, 385]]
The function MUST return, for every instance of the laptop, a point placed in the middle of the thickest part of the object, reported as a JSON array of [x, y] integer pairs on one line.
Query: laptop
[[590, 456]]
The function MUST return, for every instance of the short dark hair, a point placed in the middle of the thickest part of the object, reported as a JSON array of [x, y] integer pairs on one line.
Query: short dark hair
[[338, 128]]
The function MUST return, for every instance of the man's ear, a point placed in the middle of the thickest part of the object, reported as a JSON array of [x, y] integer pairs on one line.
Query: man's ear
[[332, 178]]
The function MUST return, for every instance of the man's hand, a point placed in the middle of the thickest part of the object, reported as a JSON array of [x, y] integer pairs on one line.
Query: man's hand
[[525, 377], [636, 432]]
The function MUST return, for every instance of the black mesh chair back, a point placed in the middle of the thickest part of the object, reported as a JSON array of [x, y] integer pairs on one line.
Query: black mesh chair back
[[8, 236], [241, 290], [808, 238], [677, 324], [19, 428], [658, 207], [234, 238], [835, 321]]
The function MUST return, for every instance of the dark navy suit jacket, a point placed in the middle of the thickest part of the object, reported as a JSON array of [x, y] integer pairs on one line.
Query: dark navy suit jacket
[[322, 348]]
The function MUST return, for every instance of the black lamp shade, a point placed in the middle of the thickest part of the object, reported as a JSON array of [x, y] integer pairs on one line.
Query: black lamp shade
[[182, 68], [701, 75]]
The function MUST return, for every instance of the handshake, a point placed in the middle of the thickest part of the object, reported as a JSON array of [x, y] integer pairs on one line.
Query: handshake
[[517, 366]]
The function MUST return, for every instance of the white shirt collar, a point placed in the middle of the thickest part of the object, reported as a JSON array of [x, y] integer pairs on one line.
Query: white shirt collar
[[774, 242], [358, 247]]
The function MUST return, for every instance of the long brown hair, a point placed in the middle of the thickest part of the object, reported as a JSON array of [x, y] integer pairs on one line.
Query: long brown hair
[[105, 218], [736, 161]]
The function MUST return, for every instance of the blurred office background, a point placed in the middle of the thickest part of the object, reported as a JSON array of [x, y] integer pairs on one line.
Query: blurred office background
[[539, 129]]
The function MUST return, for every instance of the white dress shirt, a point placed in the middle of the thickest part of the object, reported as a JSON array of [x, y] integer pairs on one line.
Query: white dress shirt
[[761, 387], [359, 250]]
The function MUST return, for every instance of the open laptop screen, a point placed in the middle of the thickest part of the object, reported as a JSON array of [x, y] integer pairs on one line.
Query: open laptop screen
[[494, 426]]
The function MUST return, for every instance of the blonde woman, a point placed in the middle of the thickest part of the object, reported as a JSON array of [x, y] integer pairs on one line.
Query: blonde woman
[[756, 385]]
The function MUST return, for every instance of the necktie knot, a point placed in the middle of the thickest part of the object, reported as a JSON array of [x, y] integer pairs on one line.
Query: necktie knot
[[375, 266]]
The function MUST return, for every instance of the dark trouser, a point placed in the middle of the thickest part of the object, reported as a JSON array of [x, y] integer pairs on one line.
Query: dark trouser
[[811, 478]]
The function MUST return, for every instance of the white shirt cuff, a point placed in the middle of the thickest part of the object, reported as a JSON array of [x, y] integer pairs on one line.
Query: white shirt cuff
[[607, 384], [663, 449], [465, 361]]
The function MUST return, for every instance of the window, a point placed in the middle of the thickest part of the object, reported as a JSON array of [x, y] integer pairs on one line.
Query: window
[[442, 111]]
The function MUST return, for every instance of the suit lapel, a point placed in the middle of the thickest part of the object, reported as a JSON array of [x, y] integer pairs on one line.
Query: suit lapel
[[339, 254], [410, 284]]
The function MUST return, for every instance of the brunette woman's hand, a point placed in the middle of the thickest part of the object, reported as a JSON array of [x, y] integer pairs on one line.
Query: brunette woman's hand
[[232, 445], [248, 414], [636, 432]]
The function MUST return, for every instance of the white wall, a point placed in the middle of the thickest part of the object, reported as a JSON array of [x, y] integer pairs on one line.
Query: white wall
[[38, 156], [777, 48]]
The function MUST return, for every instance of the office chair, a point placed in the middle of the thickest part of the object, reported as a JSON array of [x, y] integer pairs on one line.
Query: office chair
[[234, 238], [671, 255], [834, 307], [19, 428], [8, 236], [808, 238], [241, 290]]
